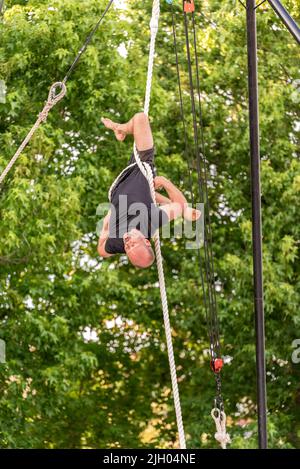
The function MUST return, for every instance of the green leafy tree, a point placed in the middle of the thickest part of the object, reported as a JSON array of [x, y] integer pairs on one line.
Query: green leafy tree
[[86, 363]]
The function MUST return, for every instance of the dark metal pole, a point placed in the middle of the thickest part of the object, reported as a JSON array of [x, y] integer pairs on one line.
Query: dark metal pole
[[289, 22], [256, 224]]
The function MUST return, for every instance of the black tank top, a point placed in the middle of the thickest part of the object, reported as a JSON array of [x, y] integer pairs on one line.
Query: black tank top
[[132, 206]]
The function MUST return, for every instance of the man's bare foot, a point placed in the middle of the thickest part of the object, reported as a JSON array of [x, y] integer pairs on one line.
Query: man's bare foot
[[118, 129], [191, 214]]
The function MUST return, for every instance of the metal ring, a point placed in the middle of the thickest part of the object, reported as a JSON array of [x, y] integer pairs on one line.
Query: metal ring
[[53, 95], [215, 413]]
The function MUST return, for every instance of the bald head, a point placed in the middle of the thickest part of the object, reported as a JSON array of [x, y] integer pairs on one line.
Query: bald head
[[138, 249]]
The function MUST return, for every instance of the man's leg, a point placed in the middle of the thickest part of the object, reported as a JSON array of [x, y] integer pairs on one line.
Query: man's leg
[[142, 132], [162, 199], [138, 126]]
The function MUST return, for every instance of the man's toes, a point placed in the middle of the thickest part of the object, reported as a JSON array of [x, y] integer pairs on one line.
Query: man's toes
[[196, 214], [107, 122], [120, 136]]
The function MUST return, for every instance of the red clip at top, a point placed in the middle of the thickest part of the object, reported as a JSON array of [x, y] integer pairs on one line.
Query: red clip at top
[[188, 6], [216, 365]]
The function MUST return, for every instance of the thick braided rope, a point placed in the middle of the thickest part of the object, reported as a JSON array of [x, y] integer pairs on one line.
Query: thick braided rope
[[220, 420], [147, 172], [53, 98], [154, 29], [164, 302]]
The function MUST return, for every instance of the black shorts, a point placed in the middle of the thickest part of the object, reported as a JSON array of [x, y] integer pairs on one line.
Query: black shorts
[[146, 156]]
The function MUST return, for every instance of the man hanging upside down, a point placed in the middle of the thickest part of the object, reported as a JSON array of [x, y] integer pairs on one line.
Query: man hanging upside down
[[133, 219]]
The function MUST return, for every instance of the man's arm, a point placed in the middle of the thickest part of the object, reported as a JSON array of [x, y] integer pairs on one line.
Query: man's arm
[[103, 237], [162, 199], [177, 201], [177, 205]]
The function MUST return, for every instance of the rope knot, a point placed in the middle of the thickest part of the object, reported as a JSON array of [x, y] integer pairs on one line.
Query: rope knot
[[44, 114], [53, 97], [221, 435]]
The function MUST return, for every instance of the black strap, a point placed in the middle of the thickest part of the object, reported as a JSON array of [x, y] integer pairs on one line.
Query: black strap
[[202, 184], [87, 41], [190, 170], [206, 263], [204, 165]]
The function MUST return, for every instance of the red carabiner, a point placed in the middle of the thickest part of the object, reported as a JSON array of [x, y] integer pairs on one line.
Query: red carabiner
[[188, 6], [216, 365]]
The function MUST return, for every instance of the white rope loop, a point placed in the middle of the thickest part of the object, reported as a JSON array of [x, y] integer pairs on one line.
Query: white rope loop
[[220, 420], [53, 98]]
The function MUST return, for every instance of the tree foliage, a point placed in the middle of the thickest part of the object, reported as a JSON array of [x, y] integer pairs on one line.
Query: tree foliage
[[86, 363]]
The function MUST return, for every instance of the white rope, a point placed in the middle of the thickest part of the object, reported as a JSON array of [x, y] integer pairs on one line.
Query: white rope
[[145, 168], [53, 98], [220, 420], [147, 172], [164, 301], [153, 29]]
